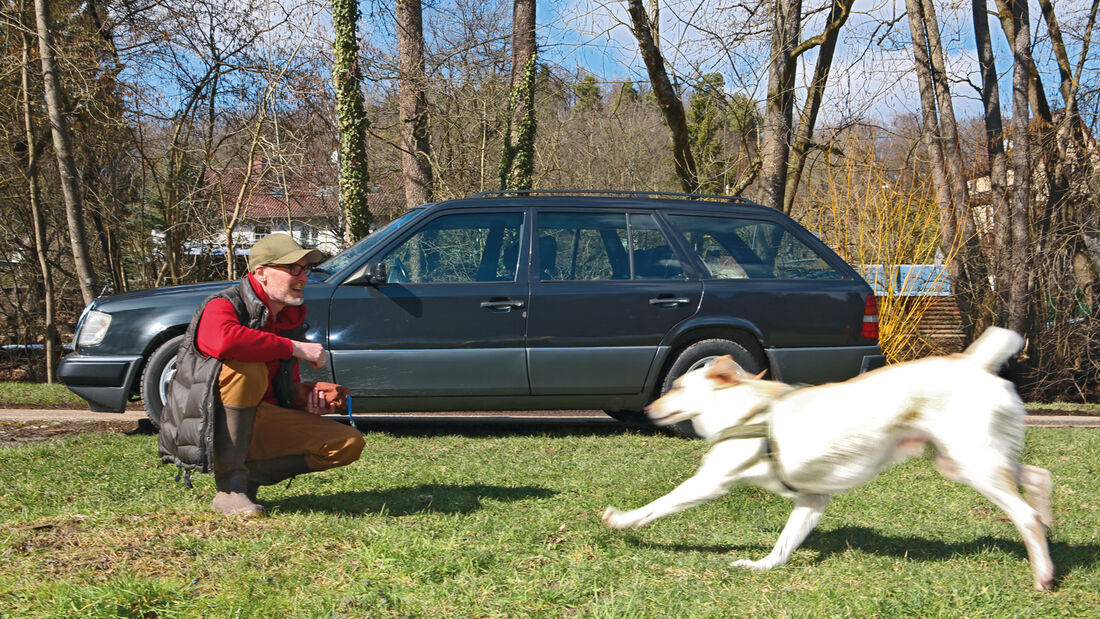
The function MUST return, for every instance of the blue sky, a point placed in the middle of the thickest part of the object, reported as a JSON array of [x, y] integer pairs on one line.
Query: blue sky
[[874, 80]]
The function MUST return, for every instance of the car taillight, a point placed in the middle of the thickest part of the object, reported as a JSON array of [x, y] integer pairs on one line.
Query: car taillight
[[870, 319]]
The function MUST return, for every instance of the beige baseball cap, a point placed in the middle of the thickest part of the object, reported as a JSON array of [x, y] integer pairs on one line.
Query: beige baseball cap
[[279, 248]]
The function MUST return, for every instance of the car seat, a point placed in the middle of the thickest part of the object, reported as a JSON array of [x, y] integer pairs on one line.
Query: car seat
[[548, 258], [508, 256]]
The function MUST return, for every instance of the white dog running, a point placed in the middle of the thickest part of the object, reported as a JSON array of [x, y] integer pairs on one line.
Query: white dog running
[[813, 442]]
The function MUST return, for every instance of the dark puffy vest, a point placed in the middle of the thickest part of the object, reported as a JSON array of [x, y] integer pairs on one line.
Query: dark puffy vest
[[193, 398]]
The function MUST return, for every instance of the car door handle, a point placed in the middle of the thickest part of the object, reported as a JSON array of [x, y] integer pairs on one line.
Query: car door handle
[[502, 305], [670, 301]]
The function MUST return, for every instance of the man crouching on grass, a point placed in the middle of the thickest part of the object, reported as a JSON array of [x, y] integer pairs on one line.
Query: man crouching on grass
[[236, 403]]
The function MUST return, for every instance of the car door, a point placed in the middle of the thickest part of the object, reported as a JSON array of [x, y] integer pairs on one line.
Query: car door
[[448, 321], [605, 288], [793, 289]]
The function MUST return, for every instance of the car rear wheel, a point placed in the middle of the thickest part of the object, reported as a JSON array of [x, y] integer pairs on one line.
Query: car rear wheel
[[159, 372], [701, 354]]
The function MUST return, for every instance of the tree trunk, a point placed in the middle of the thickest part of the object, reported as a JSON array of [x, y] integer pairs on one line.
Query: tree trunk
[[949, 134], [775, 135], [1036, 93], [59, 124], [52, 339], [995, 152], [517, 164], [838, 15], [667, 97], [412, 103], [930, 126], [940, 136], [1021, 170], [352, 120]]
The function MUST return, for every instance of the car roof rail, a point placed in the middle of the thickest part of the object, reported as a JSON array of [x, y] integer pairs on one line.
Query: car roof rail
[[501, 193]]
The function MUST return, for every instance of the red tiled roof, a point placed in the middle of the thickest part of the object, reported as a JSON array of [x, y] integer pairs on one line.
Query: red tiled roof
[[301, 194]]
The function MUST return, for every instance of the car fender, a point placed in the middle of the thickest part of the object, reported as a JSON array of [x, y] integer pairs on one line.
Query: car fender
[[700, 328]]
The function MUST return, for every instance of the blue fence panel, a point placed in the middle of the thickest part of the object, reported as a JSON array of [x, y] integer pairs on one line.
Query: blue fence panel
[[907, 280]]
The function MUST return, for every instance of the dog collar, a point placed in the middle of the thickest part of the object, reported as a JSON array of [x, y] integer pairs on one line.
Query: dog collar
[[762, 430], [749, 430]]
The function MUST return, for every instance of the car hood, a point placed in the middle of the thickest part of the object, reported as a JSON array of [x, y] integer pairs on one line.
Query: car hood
[[158, 296]]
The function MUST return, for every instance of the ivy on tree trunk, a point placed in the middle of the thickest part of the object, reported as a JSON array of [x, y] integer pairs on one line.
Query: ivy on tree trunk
[[351, 119], [517, 162]]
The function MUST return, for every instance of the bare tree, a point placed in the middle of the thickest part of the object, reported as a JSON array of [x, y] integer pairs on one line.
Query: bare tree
[[1021, 168], [34, 197], [776, 131], [939, 134], [838, 15], [996, 166], [517, 162], [59, 123], [412, 106], [667, 98]]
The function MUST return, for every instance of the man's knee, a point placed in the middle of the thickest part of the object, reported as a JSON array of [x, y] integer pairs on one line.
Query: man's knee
[[243, 383], [341, 449]]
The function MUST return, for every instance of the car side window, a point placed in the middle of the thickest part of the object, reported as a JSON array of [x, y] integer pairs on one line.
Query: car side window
[[736, 248], [582, 246], [598, 246], [653, 256], [476, 247]]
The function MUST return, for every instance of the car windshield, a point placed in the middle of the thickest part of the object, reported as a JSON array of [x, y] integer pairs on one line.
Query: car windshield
[[356, 251]]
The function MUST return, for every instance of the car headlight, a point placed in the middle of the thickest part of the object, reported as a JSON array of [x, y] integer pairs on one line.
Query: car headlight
[[94, 328]]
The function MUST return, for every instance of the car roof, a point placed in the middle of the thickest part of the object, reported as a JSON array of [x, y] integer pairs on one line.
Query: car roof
[[607, 199]]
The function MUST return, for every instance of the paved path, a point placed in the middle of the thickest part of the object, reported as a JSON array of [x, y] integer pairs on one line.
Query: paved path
[[583, 416]]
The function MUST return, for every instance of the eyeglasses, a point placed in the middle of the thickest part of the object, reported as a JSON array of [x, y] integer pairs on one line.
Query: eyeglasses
[[294, 269]]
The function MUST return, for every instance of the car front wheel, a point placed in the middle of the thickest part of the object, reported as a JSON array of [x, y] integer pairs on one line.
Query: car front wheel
[[159, 372], [701, 354]]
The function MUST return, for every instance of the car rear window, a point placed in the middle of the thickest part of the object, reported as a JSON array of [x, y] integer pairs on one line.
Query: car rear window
[[741, 248]]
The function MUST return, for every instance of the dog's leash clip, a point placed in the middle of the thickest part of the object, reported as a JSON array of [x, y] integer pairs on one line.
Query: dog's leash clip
[[350, 418]]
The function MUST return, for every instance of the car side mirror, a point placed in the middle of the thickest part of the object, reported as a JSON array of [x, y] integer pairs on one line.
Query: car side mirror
[[370, 274]]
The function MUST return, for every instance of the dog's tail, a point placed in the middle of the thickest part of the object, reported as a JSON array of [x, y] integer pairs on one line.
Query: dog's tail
[[994, 348]]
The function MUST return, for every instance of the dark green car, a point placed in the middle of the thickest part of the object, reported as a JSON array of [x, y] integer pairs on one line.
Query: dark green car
[[547, 300]]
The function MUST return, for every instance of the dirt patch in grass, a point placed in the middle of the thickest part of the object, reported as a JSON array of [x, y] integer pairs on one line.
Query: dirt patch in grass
[[161, 545], [17, 433]]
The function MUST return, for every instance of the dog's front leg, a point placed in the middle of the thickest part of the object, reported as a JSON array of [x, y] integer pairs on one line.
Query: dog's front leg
[[695, 490], [807, 511], [712, 480]]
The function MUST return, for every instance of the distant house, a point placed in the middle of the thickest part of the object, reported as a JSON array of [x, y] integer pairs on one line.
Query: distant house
[[300, 200]]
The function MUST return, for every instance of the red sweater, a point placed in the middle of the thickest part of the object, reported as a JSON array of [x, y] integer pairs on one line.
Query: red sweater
[[221, 335]]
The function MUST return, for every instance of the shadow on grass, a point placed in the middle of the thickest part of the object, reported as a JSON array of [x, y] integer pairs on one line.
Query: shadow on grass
[[426, 426], [439, 499], [1066, 556]]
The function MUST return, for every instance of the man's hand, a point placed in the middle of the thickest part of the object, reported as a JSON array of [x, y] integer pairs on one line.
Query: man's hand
[[315, 403], [320, 398], [334, 395], [312, 352]]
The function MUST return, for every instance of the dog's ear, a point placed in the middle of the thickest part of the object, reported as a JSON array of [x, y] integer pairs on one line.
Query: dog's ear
[[725, 371]]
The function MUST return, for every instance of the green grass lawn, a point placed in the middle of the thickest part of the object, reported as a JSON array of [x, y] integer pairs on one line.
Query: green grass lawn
[[39, 394], [506, 526], [14, 394]]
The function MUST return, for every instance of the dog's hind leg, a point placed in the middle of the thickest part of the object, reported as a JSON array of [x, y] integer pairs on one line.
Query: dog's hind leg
[[1001, 489], [1037, 484], [807, 511]]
